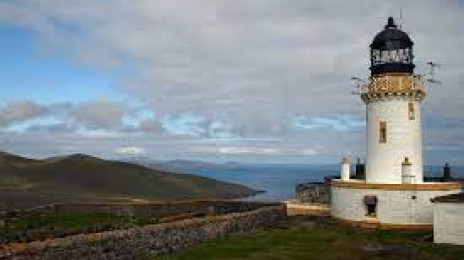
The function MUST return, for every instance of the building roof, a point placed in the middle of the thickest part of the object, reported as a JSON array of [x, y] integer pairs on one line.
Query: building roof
[[452, 198], [391, 38]]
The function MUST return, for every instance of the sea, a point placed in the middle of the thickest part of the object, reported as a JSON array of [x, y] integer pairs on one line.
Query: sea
[[277, 181]]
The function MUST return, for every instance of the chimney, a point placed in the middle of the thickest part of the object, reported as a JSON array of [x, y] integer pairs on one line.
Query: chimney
[[345, 169], [360, 170], [446, 172], [406, 171]]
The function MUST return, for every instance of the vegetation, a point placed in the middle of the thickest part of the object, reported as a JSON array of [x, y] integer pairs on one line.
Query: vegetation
[[26, 183], [39, 226], [13, 183], [319, 238]]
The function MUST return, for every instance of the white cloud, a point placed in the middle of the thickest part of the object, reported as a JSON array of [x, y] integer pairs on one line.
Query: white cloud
[[309, 152], [130, 150], [247, 149], [250, 59], [247, 68], [20, 111], [100, 113], [238, 150]]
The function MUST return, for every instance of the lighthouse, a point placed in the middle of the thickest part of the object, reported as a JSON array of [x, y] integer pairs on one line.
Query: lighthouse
[[393, 193], [393, 96]]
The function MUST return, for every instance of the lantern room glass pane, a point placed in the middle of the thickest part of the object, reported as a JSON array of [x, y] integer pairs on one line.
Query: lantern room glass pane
[[404, 56]]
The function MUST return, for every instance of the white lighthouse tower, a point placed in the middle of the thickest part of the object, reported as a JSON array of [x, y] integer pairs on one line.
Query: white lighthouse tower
[[393, 193], [392, 97]]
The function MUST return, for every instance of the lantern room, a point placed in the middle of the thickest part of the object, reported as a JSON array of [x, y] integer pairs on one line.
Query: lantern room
[[391, 51]]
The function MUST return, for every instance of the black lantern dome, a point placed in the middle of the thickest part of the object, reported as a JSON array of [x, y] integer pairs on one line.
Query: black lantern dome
[[391, 51]]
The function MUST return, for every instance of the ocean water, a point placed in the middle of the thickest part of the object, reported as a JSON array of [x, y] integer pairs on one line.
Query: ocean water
[[279, 181]]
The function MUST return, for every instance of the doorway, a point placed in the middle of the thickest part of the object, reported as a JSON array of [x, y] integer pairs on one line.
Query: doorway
[[370, 201]]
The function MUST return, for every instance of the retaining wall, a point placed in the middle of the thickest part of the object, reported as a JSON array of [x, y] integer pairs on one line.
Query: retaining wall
[[141, 242]]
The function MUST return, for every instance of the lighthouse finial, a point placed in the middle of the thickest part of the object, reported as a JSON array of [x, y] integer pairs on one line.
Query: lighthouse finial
[[390, 23]]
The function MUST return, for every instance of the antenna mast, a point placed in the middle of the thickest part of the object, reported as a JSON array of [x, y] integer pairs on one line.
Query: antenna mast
[[430, 77], [400, 22], [360, 86]]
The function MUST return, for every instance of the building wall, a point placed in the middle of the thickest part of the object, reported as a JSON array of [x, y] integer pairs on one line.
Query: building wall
[[448, 223], [404, 139], [393, 206]]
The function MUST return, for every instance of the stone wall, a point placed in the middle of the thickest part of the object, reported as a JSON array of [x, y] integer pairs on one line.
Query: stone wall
[[313, 192], [141, 242], [155, 209], [448, 223]]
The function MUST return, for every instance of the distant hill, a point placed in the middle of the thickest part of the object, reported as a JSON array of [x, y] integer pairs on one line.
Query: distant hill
[[27, 182], [182, 165]]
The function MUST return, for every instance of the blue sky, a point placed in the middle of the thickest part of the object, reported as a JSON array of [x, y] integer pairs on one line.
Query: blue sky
[[28, 71], [261, 81]]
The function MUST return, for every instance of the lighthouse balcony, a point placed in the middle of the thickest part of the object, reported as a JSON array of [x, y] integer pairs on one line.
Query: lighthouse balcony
[[394, 83]]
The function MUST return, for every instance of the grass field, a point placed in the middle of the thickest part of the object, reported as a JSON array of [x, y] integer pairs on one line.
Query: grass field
[[35, 226], [316, 238]]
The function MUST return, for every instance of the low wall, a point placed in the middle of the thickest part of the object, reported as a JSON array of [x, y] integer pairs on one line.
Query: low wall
[[155, 209], [313, 192], [141, 242], [299, 209]]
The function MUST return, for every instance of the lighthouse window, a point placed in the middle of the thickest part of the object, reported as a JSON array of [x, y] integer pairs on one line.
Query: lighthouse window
[[411, 111], [383, 132], [391, 56], [394, 56]]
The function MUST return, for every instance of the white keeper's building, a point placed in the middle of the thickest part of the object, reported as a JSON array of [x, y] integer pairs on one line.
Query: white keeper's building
[[393, 192]]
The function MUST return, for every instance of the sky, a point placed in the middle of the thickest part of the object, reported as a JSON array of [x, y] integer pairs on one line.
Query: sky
[[265, 81]]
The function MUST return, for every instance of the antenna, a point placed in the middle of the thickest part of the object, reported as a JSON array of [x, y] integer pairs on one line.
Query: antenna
[[430, 77], [359, 83], [400, 22]]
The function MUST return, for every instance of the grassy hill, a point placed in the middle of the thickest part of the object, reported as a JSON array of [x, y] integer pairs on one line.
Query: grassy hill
[[27, 182]]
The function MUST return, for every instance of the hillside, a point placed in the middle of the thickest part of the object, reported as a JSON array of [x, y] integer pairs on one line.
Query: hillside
[[26, 182]]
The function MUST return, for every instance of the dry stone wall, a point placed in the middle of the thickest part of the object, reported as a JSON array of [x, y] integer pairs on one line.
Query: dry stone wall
[[156, 209], [141, 242], [313, 192]]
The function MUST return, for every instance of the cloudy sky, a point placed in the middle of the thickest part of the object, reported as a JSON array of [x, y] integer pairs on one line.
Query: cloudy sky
[[216, 80]]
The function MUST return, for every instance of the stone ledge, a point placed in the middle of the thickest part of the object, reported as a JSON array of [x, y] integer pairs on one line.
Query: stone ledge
[[294, 209], [368, 223]]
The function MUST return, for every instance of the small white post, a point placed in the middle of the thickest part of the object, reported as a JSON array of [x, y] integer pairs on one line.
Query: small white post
[[406, 171], [345, 169]]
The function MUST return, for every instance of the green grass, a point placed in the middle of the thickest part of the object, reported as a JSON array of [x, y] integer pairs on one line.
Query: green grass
[[40, 226], [309, 238], [13, 183], [44, 221]]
